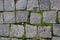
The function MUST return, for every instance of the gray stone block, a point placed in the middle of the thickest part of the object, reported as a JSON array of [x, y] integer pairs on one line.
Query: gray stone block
[[33, 5], [35, 18], [1, 5], [31, 31], [44, 4], [44, 31], [9, 17], [30, 39], [2, 38], [9, 5], [49, 16], [21, 4], [21, 16], [55, 4], [59, 16], [14, 39], [1, 17], [4, 29], [16, 30], [56, 29], [56, 38]]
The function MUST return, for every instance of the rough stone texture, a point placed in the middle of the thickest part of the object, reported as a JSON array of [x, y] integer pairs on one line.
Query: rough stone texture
[[1, 17], [16, 39], [59, 16], [31, 31], [9, 5], [9, 17], [21, 16], [2, 38], [44, 4], [56, 29], [49, 16], [33, 5], [35, 18], [56, 38], [4, 30], [44, 39], [17, 30], [44, 31], [55, 4], [1, 5], [21, 4], [30, 39]]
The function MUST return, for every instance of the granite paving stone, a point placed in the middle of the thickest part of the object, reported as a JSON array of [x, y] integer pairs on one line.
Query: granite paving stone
[[1, 17], [21, 4], [55, 4], [56, 29], [35, 18], [1, 5], [17, 30], [44, 4], [31, 31], [2, 38], [56, 38], [49, 16], [9, 17], [33, 5], [9, 5], [21, 16], [44, 31], [4, 29]]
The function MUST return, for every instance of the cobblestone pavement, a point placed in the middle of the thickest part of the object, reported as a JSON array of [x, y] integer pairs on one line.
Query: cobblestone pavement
[[29, 19]]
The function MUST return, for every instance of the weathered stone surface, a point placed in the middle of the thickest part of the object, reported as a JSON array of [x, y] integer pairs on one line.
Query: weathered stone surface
[[21, 4], [55, 4], [2, 38], [33, 5], [1, 17], [1, 5], [56, 29], [56, 38], [17, 30], [9, 5], [49, 16], [31, 31], [14, 39], [44, 39], [35, 18], [30, 39], [44, 31], [44, 4], [59, 16], [4, 30], [9, 17], [21, 16]]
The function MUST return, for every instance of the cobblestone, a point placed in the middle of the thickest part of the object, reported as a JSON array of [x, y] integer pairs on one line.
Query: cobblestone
[[4, 38], [56, 38], [17, 30], [44, 31], [49, 16], [1, 5]]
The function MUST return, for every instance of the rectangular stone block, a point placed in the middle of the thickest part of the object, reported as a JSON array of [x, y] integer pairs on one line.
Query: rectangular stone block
[[9, 17], [44, 4], [49, 16], [33, 5], [16, 30], [55, 4], [44, 31], [31, 31], [21, 16], [21, 4], [1, 17], [30, 39], [1, 5], [9, 5], [2, 38], [4, 29], [35, 18], [56, 38], [56, 29], [16, 39]]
